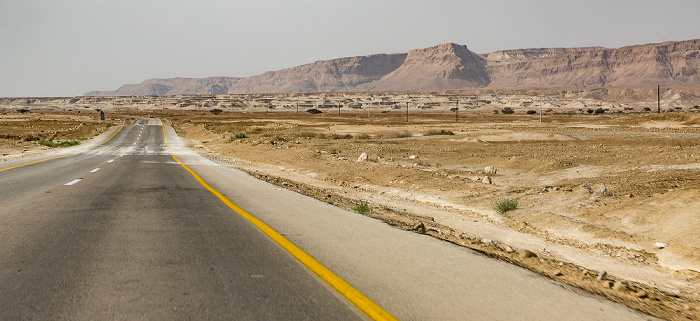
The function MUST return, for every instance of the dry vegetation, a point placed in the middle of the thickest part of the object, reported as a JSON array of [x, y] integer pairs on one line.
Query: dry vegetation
[[594, 192]]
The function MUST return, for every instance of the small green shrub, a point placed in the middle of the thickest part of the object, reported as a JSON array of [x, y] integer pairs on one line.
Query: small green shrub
[[435, 132], [82, 138], [240, 136], [505, 205], [51, 143], [362, 208]]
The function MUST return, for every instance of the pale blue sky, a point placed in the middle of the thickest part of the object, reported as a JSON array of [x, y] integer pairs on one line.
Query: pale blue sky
[[70, 47]]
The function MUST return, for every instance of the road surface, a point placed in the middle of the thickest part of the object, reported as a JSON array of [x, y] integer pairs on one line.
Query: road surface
[[122, 230]]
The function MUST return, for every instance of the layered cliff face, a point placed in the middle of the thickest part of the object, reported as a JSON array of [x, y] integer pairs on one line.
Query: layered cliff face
[[666, 63], [452, 66], [173, 86], [519, 55], [447, 66], [343, 74]]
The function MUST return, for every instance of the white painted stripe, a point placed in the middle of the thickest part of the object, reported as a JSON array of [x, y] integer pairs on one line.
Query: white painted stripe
[[95, 170], [109, 161], [73, 182]]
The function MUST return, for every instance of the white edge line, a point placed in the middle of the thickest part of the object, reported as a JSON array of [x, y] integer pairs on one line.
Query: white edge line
[[109, 161], [73, 182], [95, 170]]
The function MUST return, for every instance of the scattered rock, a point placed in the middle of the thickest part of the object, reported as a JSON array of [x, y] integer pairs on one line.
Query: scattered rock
[[620, 286], [486, 241], [487, 180], [660, 245], [508, 249], [605, 191], [524, 254], [413, 157], [490, 170], [640, 294], [363, 157], [607, 284], [601, 275], [419, 227], [676, 293], [558, 273]]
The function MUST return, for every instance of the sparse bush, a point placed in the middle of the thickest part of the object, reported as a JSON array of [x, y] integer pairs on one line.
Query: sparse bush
[[240, 136], [590, 111], [306, 135], [435, 132], [531, 112], [341, 136], [51, 143], [507, 111], [216, 111], [314, 111], [30, 138], [600, 111], [362, 136], [362, 208], [397, 134], [647, 109], [505, 205]]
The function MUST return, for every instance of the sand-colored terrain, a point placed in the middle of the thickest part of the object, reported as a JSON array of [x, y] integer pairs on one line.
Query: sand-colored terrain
[[613, 192], [597, 192]]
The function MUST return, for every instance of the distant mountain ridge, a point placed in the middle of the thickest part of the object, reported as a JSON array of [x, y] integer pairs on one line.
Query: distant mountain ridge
[[453, 66]]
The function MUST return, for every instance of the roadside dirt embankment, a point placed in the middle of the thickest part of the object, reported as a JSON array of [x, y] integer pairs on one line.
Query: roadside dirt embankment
[[604, 203]]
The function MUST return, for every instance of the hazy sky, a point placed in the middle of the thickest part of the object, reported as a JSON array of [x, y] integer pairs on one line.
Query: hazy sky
[[70, 47]]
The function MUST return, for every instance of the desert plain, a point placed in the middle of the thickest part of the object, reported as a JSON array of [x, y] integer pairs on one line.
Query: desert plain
[[606, 185]]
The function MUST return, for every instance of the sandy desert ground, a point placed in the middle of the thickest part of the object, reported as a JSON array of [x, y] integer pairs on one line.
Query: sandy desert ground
[[614, 192]]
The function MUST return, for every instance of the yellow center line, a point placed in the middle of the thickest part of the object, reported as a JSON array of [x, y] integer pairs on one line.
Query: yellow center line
[[43, 160], [108, 139], [366, 305]]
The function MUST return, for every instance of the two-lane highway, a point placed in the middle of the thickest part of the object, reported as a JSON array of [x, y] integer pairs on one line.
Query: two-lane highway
[[141, 239], [124, 230]]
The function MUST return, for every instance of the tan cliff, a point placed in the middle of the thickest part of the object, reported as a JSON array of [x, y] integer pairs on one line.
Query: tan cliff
[[453, 66]]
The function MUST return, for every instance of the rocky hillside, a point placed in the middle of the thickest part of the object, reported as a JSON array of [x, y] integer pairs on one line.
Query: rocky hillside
[[452, 66]]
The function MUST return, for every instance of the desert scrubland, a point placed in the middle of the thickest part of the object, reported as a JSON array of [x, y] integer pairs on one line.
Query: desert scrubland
[[602, 183]]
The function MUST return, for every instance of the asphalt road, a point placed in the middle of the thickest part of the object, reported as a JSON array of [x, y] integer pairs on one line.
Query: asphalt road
[[122, 230]]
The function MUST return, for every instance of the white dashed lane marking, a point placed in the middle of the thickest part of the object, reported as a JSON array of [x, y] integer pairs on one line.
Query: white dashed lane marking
[[95, 170], [109, 161], [73, 182]]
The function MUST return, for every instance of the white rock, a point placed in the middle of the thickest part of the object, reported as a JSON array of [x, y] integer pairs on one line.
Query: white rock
[[363, 157], [413, 157], [486, 180], [660, 245], [490, 170]]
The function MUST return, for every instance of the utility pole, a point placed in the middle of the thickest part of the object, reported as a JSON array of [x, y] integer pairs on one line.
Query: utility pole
[[338, 109], [457, 112], [658, 98], [407, 112], [297, 108], [540, 109]]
